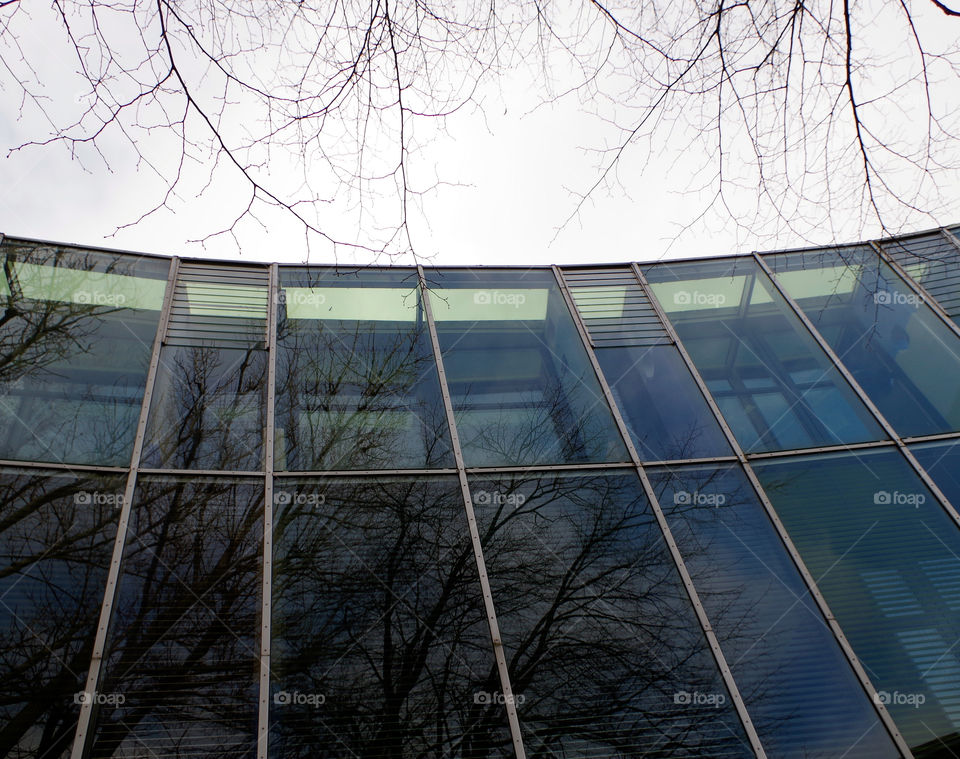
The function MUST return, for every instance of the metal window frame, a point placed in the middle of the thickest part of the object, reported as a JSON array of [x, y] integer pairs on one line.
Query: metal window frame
[[701, 614], [266, 599], [496, 640], [781, 531], [862, 394], [83, 734]]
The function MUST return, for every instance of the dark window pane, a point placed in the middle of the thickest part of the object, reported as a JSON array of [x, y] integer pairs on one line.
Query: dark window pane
[[380, 643], [522, 386], [207, 410], [76, 333], [357, 384], [182, 673], [661, 404], [606, 656], [897, 349], [801, 692], [941, 460], [887, 558], [774, 385], [56, 539]]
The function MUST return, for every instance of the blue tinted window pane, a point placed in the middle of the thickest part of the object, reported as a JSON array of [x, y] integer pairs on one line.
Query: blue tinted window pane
[[606, 656], [56, 540], [522, 386], [380, 644], [802, 695], [941, 460], [76, 334], [904, 357], [182, 670], [357, 384], [887, 558], [207, 410], [661, 404], [774, 385]]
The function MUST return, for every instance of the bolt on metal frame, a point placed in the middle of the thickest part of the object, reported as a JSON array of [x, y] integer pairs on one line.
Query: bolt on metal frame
[[499, 654], [781, 531], [671, 542]]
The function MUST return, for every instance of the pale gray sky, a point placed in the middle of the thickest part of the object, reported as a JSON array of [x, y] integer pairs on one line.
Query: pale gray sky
[[513, 172]]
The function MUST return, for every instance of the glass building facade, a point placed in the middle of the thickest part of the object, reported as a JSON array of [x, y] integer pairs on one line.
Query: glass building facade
[[698, 508]]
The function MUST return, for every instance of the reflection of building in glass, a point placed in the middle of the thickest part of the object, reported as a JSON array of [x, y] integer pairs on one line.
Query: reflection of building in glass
[[703, 508]]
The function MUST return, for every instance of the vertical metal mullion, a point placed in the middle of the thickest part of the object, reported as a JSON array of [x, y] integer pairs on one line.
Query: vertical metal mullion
[[671, 542], [951, 237], [263, 714], [919, 290], [83, 733], [499, 655], [781, 531], [862, 394]]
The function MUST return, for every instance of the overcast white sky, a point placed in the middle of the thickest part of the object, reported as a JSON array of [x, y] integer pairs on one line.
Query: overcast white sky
[[514, 172]]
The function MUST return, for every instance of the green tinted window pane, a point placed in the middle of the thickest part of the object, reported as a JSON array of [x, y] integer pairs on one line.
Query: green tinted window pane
[[380, 644], [207, 409], [664, 410], [887, 558], [774, 385], [904, 357], [56, 540], [941, 460], [522, 386], [802, 694], [606, 656], [357, 383], [75, 342], [181, 677]]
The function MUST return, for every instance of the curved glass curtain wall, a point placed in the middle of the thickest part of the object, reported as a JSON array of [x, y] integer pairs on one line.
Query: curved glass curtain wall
[[75, 339], [357, 384], [56, 537], [904, 357], [522, 387], [774, 385], [380, 644], [886, 557], [606, 657], [802, 694]]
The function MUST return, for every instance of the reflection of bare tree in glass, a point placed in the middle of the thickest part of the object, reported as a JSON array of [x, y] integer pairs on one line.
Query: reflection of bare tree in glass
[[358, 396], [378, 611], [207, 411], [603, 646], [182, 649], [71, 373], [55, 547]]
